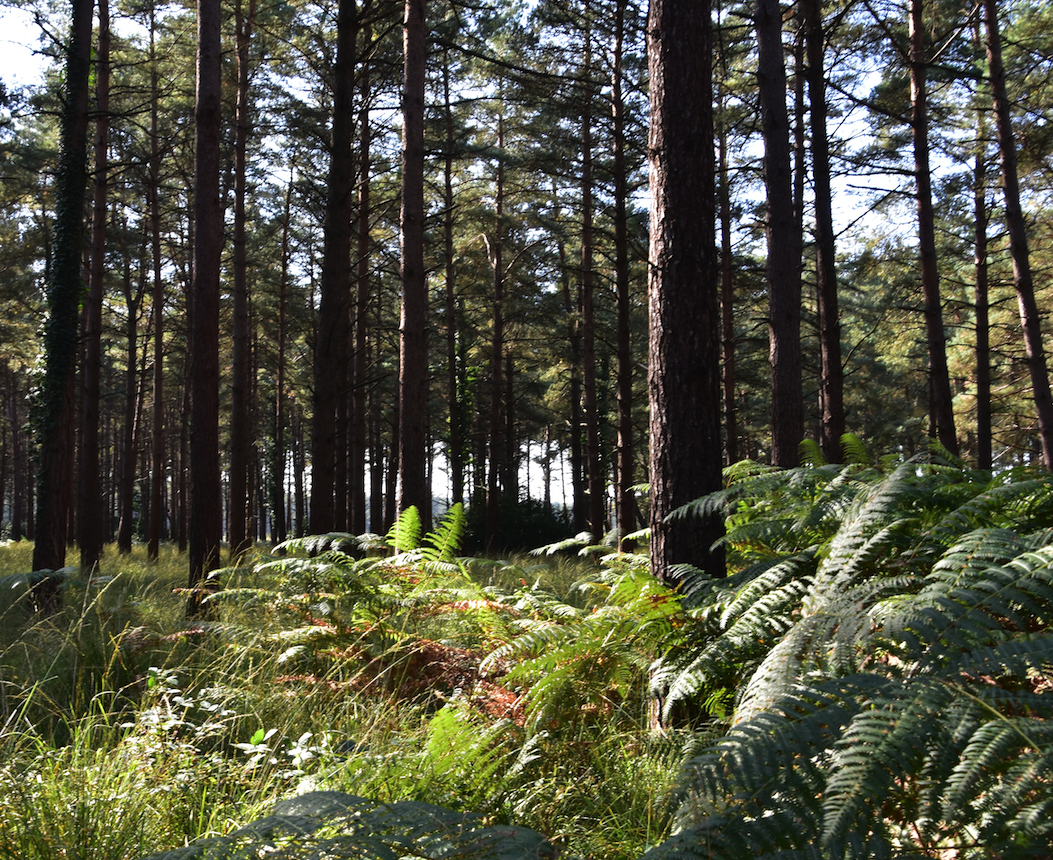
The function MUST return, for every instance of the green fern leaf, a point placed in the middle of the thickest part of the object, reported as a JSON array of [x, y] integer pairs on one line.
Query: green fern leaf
[[443, 543], [404, 534]]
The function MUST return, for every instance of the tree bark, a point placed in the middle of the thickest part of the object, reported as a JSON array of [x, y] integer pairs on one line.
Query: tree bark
[[280, 528], [625, 500], [361, 349], [157, 440], [784, 242], [577, 482], [61, 326], [19, 462], [413, 334], [684, 334], [240, 424], [90, 523], [596, 483], [498, 465], [831, 376], [727, 304], [1030, 319], [455, 449], [331, 336], [941, 405], [984, 453], [206, 509], [129, 435]]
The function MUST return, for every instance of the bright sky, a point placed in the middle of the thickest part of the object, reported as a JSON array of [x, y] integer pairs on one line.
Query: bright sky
[[18, 38]]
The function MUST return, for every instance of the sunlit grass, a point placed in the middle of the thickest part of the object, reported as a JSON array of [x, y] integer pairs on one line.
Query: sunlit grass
[[125, 730]]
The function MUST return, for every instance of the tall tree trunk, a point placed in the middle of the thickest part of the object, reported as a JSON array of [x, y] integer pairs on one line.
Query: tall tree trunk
[[831, 376], [570, 308], [413, 334], [206, 509], [63, 303], [510, 478], [361, 352], [625, 501], [126, 520], [498, 465], [727, 303], [376, 464], [299, 457], [455, 451], [280, 528], [684, 334], [157, 441], [19, 462], [1030, 319], [331, 337], [240, 429], [391, 478], [90, 494], [984, 453], [4, 464], [183, 475], [941, 406], [588, 311], [784, 242]]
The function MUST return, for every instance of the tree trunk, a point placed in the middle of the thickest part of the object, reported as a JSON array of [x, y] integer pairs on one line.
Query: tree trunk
[[206, 509], [727, 304], [684, 334], [577, 482], [984, 453], [455, 450], [90, 494], [413, 486], [331, 338], [182, 488], [280, 527], [625, 500], [498, 465], [1030, 319], [19, 463], [831, 376], [240, 429], [361, 350], [157, 442], [63, 302], [126, 493], [299, 458], [596, 492], [941, 407], [510, 478], [784, 242]]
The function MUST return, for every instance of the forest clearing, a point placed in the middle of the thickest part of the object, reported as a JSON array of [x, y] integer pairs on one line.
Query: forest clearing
[[872, 679]]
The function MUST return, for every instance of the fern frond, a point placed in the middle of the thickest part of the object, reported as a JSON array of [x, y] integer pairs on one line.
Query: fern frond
[[886, 740], [404, 534], [979, 607], [764, 578], [443, 543], [541, 637], [313, 545], [827, 640], [581, 539], [855, 451], [1021, 504]]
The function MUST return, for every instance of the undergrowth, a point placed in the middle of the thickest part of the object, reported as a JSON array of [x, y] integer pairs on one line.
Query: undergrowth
[[873, 679]]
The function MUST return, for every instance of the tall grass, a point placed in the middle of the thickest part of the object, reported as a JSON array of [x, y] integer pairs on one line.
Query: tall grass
[[124, 731]]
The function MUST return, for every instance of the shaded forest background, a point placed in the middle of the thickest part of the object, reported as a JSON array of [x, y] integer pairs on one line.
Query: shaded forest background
[[854, 297]]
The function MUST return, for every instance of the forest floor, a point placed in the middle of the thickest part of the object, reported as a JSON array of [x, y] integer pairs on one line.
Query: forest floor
[[128, 730]]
